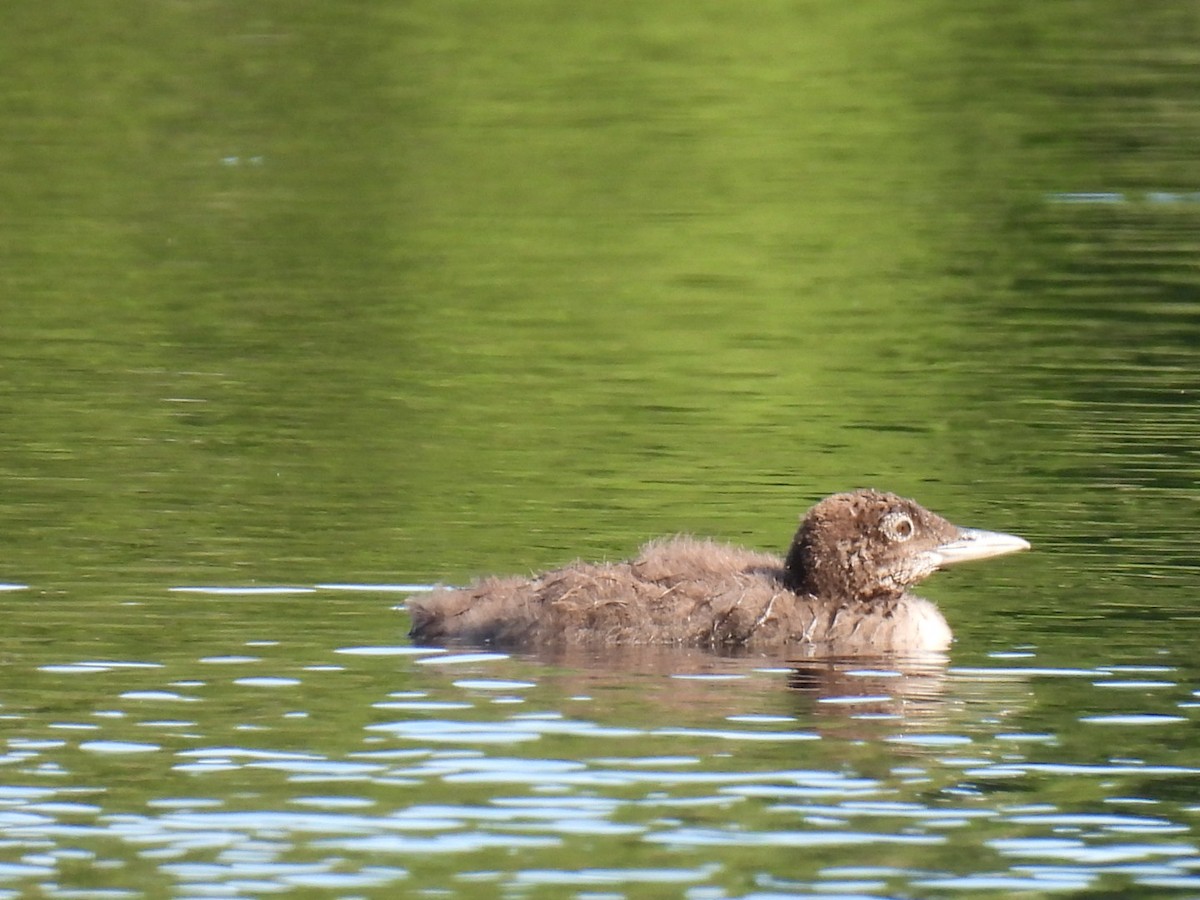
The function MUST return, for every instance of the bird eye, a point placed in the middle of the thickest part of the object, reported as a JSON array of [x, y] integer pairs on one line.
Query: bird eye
[[897, 526]]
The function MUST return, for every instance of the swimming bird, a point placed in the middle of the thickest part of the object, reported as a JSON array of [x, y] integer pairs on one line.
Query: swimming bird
[[842, 589]]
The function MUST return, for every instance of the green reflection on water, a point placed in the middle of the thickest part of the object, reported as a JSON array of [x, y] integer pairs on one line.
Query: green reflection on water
[[416, 290]]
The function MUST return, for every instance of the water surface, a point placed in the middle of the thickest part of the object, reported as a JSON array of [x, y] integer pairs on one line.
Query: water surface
[[306, 299]]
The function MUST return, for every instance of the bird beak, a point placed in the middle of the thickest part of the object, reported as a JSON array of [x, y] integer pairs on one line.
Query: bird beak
[[973, 543]]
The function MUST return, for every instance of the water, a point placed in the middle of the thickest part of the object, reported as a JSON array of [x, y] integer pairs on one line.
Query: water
[[306, 307], [251, 766]]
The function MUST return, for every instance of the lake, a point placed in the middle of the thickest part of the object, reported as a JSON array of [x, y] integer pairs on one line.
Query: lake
[[309, 306]]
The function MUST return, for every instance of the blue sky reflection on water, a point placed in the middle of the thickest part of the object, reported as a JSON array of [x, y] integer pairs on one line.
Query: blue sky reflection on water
[[448, 765]]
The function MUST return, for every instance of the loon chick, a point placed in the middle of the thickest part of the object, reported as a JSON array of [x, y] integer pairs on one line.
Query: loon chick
[[841, 590]]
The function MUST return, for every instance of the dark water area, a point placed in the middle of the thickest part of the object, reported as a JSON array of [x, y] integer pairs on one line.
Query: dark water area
[[304, 305]]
